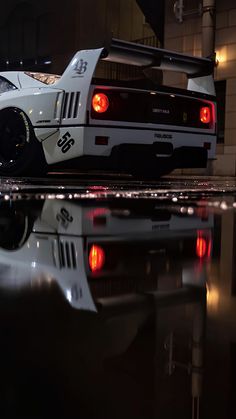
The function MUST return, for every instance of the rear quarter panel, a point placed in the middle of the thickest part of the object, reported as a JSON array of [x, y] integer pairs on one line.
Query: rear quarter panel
[[38, 104]]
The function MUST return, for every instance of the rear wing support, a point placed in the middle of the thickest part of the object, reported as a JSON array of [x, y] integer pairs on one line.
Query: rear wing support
[[204, 84]]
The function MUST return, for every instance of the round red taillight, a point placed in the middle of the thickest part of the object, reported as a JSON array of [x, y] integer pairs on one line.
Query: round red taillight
[[205, 115], [96, 258], [100, 102]]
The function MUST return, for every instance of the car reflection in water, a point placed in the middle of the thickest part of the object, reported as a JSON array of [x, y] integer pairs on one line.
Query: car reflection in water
[[83, 290]]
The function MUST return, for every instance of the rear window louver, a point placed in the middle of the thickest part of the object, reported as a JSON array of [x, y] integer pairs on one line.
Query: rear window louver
[[70, 109], [67, 255]]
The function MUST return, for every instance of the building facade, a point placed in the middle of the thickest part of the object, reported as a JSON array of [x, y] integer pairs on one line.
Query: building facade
[[186, 37], [31, 29]]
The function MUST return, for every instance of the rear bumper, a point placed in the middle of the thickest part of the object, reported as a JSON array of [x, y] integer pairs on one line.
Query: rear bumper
[[181, 148], [117, 136]]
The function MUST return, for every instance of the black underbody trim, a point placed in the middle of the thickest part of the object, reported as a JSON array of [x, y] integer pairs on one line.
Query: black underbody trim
[[142, 157], [129, 128]]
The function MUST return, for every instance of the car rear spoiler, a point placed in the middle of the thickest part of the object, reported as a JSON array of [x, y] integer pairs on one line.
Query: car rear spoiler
[[200, 69], [145, 56]]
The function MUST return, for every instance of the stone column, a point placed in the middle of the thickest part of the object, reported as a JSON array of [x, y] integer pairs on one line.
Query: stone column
[[208, 28]]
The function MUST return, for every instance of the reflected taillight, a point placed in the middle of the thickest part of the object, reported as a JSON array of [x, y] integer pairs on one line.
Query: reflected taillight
[[100, 102], [96, 258], [203, 245], [205, 115]]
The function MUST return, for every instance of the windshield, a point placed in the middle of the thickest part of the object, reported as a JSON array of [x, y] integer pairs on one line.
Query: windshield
[[6, 85], [44, 78]]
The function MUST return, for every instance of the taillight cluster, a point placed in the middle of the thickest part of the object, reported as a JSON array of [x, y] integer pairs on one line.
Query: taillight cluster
[[100, 102], [207, 114], [103, 102]]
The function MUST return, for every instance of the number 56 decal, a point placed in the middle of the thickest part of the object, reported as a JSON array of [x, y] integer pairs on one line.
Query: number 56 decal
[[65, 142]]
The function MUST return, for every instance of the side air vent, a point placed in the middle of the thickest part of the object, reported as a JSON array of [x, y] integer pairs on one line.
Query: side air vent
[[67, 255], [70, 109]]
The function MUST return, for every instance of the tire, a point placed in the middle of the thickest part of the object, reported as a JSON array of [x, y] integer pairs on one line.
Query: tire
[[16, 224], [20, 151]]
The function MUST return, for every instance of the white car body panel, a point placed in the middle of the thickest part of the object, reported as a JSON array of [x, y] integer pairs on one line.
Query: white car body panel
[[38, 262], [50, 138], [13, 77], [37, 104]]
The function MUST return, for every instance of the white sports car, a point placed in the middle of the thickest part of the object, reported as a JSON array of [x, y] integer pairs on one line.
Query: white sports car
[[46, 119]]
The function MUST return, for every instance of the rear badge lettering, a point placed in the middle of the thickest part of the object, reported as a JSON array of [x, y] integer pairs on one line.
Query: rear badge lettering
[[65, 142], [80, 67], [164, 136], [157, 110]]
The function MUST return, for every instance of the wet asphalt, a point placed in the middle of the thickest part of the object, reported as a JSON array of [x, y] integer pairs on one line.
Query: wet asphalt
[[117, 297]]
